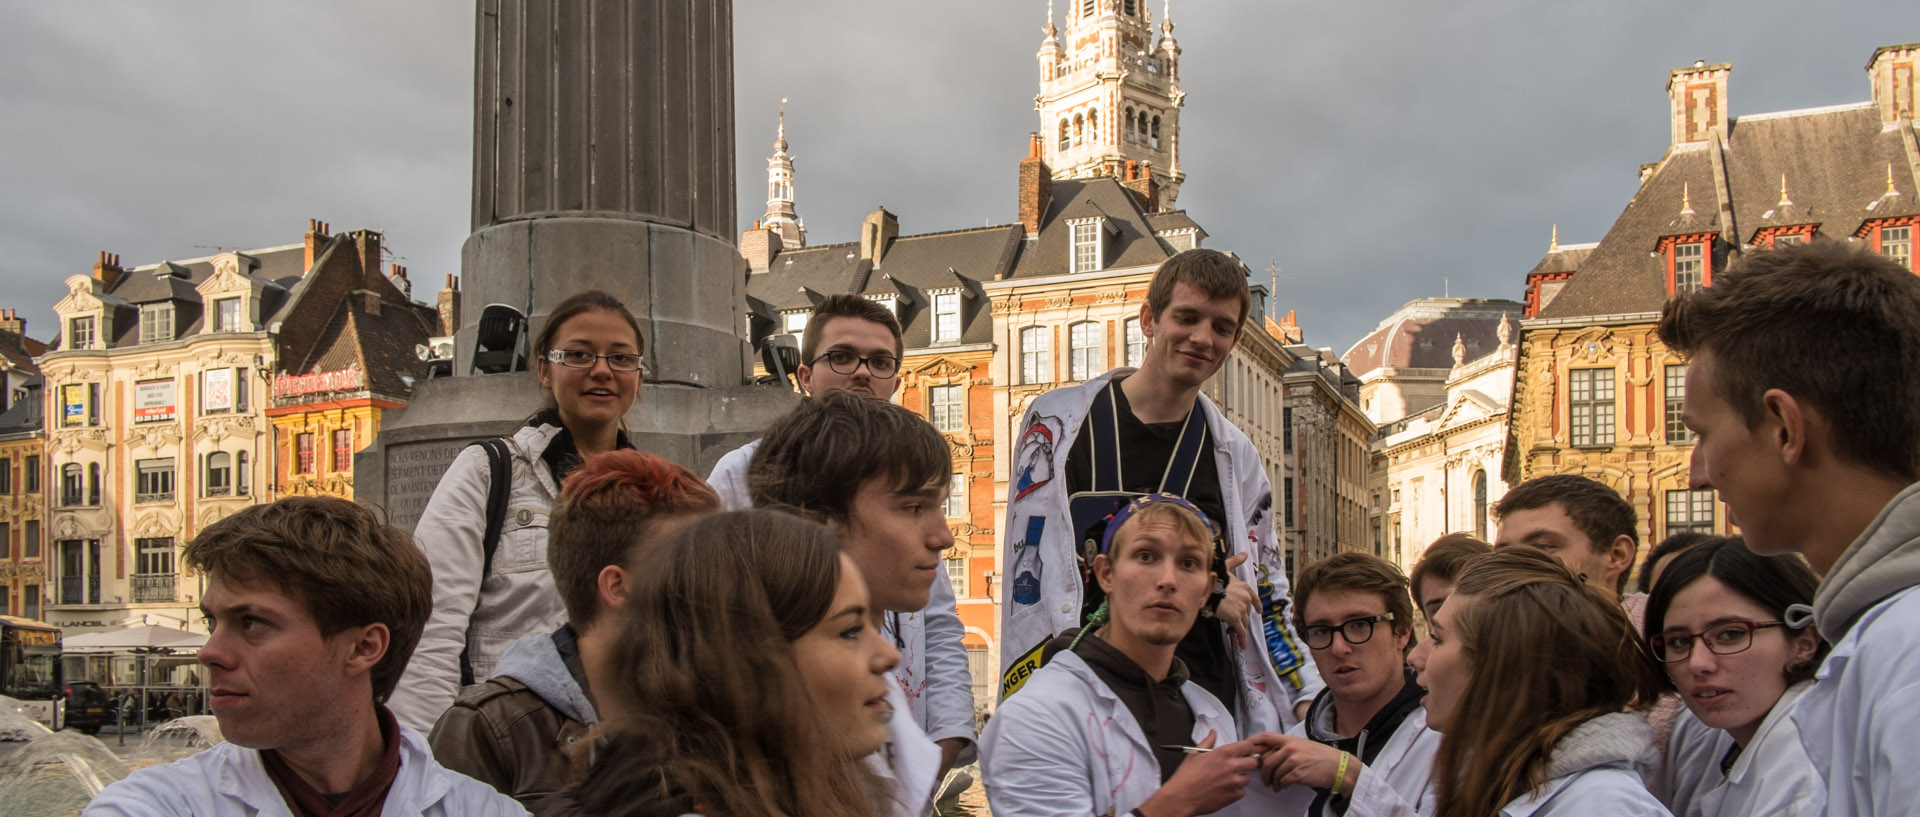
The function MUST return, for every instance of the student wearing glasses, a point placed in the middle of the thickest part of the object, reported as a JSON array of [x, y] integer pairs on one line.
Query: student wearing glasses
[[1735, 633], [1365, 739], [487, 595], [853, 345]]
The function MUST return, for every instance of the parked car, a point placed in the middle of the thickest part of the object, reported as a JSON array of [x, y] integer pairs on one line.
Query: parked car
[[88, 707]]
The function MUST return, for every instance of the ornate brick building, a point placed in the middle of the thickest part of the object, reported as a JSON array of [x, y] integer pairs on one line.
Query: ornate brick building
[[23, 437], [1596, 393]]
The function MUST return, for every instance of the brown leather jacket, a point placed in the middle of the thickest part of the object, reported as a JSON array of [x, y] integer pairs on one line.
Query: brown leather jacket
[[503, 734]]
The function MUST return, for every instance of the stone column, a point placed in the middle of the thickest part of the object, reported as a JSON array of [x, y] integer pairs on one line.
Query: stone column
[[603, 158]]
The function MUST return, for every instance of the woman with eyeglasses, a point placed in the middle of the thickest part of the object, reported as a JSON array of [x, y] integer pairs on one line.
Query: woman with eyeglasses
[[1735, 632], [485, 534], [1534, 679]]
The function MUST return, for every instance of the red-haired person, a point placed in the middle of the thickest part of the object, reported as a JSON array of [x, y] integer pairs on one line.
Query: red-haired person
[[515, 730]]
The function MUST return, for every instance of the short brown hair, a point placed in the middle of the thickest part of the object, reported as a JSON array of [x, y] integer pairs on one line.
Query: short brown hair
[[1597, 510], [1354, 572], [815, 458], [1444, 559], [846, 305], [608, 505], [1837, 327], [349, 568], [1211, 271]]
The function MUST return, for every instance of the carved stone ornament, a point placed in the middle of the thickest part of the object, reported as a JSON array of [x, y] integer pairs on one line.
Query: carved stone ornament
[[155, 524]]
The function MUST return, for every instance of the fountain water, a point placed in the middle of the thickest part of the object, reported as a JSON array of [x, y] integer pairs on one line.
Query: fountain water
[[193, 732]]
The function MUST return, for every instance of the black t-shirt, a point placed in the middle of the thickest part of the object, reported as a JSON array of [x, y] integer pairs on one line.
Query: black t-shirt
[[1145, 449]]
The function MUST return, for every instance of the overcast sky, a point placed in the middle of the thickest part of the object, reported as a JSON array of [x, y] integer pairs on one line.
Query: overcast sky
[[1379, 150]]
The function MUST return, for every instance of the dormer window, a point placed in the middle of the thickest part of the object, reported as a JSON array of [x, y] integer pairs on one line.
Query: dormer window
[[1089, 245], [1689, 262], [794, 322], [226, 315], [946, 317], [1897, 243], [156, 323], [80, 332]]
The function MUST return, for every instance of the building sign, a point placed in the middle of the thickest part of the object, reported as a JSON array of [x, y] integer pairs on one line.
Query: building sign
[[218, 386], [153, 401], [74, 408], [344, 380]]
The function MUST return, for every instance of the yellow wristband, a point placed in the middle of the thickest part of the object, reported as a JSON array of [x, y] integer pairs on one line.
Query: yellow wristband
[[1340, 775]]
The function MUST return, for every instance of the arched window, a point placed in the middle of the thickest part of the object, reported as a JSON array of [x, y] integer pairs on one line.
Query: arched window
[[1079, 128], [1480, 505], [1036, 354], [1084, 351], [1093, 125], [1141, 124], [219, 478], [1086, 8], [1136, 343], [1153, 137], [242, 476], [1132, 8], [1064, 141], [1129, 125]]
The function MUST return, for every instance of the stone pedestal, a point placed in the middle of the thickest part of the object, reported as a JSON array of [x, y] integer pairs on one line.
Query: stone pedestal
[[603, 159]]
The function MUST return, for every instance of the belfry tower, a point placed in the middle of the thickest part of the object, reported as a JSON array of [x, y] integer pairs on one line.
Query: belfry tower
[[1110, 96], [781, 217]]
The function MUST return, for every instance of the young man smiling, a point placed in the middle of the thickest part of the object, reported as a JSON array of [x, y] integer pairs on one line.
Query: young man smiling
[[1364, 746], [1104, 727], [314, 607], [1579, 521], [1802, 391], [1132, 432], [877, 474]]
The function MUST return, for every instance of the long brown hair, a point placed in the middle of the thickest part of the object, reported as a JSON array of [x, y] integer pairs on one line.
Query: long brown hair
[[1548, 652], [714, 711]]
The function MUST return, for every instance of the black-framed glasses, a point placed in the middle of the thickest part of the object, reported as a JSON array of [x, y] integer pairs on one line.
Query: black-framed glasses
[[1356, 631], [583, 359], [1726, 639], [845, 362]]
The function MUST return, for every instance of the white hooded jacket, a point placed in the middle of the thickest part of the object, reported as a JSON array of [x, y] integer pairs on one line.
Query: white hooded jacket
[[1067, 746], [1041, 595], [485, 617], [230, 781]]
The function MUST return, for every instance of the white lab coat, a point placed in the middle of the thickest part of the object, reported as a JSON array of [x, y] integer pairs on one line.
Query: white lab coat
[[1399, 780], [1861, 719], [1036, 499], [933, 669], [228, 780], [915, 766], [1067, 746], [1773, 776], [1613, 790]]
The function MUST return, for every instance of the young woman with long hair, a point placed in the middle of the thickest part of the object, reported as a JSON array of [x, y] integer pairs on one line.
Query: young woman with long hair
[[1530, 672], [1735, 631], [587, 358], [749, 681]]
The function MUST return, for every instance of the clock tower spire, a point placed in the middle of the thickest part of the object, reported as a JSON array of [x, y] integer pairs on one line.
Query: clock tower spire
[[1110, 97]]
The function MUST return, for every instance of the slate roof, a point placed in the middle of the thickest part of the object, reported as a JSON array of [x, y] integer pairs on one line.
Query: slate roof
[[278, 269], [1420, 334], [381, 345], [20, 350], [1835, 162], [25, 416], [913, 266]]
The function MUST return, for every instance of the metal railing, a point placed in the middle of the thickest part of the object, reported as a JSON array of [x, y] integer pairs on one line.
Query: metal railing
[[154, 587]]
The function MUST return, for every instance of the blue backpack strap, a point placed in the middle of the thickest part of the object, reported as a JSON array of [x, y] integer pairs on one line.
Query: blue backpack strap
[[500, 484]]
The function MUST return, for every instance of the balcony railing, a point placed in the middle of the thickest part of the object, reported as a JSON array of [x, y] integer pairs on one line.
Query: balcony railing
[[78, 590], [154, 587]]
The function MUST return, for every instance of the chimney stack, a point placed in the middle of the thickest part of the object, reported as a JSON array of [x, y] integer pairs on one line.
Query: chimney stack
[[400, 282], [1036, 186], [107, 270], [1140, 180], [760, 246], [10, 321], [877, 233], [1891, 70], [316, 238], [449, 305], [1698, 98], [366, 245]]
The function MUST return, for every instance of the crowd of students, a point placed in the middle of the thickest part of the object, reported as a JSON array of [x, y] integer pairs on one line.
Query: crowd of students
[[580, 628]]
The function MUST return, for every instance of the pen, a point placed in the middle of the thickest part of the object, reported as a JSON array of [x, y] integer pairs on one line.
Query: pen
[[1191, 750]]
